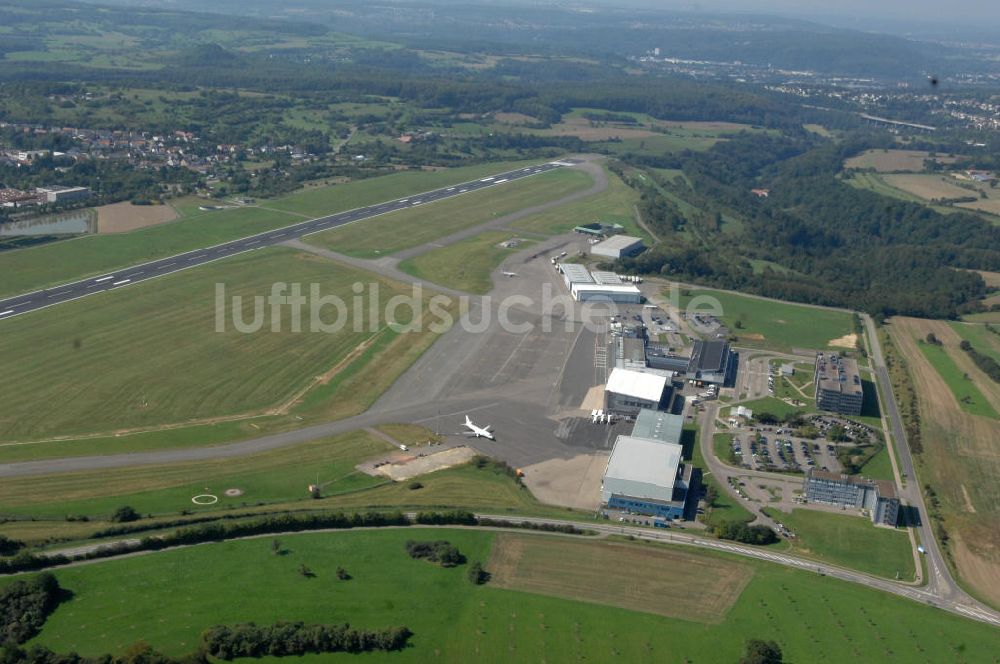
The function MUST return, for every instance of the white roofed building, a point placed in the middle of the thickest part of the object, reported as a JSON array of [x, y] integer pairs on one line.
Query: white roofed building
[[628, 391]]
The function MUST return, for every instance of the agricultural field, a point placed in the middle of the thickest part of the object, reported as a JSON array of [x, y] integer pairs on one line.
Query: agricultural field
[[615, 205], [37, 267], [631, 577], [465, 265], [404, 229], [929, 186], [110, 362], [124, 217], [849, 540], [895, 161], [959, 462], [774, 325], [966, 392], [168, 598]]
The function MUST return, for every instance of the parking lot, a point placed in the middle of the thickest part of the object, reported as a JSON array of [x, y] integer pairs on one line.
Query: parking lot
[[777, 449]]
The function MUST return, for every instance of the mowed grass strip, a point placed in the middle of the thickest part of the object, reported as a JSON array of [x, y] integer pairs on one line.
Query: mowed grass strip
[[168, 598], [421, 224], [322, 200], [983, 340], [631, 577], [280, 475], [150, 354], [969, 397], [465, 265], [849, 540], [763, 323], [613, 205]]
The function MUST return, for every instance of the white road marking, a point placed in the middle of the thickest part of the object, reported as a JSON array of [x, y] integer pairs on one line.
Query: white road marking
[[97, 281], [4, 313], [119, 283]]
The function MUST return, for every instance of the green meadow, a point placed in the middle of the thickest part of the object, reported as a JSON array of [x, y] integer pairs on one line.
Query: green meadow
[[168, 598]]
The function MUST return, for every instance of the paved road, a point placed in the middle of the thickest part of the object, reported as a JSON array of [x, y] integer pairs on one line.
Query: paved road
[[922, 595], [22, 304], [939, 579]]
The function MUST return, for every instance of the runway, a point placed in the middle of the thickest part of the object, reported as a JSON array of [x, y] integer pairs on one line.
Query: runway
[[48, 297]]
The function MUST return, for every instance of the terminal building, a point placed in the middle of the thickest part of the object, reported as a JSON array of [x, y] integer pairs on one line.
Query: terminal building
[[618, 246], [877, 497], [628, 391], [838, 384], [711, 362], [645, 472]]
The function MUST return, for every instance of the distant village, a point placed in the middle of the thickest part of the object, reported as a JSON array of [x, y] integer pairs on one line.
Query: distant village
[[143, 150]]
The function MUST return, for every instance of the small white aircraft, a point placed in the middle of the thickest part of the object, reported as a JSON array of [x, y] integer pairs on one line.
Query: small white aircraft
[[509, 274], [478, 432]]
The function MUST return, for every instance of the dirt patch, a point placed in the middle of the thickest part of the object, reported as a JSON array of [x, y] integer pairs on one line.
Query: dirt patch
[[594, 399], [846, 341], [574, 482], [635, 577], [410, 466], [980, 572], [753, 336], [124, 217], [233, 493], [969, 507]]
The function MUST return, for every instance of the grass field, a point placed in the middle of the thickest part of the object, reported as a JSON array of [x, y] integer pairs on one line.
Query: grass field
[[318, 201], [761, 323], [270, 481], [613, 205], [776, 407], [270, 477], [404, 229], [926, 188], [984, 341], [465, 265], [849, 540], [628, 576], [151, 355], [168, 598], [37, 267], [887, 161], [965, 391]]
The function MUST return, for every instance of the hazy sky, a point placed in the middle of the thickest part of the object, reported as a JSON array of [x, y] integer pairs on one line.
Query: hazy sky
[[903, 11]]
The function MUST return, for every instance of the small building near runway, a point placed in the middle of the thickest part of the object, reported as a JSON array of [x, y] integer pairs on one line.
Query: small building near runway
[[618, 246]]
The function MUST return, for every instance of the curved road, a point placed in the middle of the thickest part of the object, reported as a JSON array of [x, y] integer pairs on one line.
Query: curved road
[[921, 595]]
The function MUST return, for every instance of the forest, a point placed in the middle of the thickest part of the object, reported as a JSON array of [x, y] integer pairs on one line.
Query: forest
[[833, 244]]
